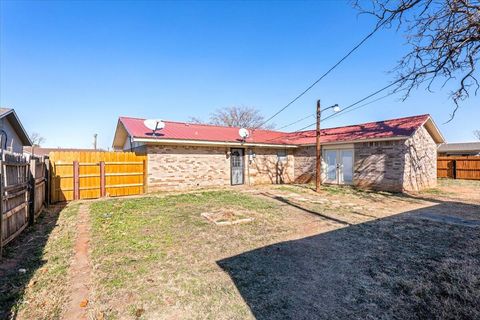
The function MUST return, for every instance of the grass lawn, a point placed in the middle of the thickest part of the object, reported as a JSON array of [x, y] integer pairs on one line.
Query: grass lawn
[[44, 251], [339, 254], [159, 254], [156, 257]]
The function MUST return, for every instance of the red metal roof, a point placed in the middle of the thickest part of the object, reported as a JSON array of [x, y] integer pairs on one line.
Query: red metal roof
[[401, 127]]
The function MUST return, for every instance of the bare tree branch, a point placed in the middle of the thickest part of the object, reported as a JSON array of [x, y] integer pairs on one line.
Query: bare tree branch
[[37, 139], [235, 116], [444, 36]]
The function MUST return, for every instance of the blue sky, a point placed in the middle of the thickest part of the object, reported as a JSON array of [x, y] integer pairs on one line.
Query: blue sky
[[71, 68]]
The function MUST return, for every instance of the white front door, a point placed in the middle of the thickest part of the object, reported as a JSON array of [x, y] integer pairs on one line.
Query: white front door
[[339, 167]]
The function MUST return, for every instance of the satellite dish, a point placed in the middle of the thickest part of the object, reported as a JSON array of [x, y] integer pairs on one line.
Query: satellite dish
[[154, 124], [243, 133]]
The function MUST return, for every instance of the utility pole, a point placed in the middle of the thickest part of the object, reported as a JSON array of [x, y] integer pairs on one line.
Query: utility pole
[[318, 178], [95, 141]]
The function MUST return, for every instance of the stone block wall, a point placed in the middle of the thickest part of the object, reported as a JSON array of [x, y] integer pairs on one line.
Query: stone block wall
[[187, 167], [265, 169], [304, 171], [379, 165], [420, 161]]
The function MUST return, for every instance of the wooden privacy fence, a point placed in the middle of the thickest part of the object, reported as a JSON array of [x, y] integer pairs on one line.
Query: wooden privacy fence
[[459, 167], [23, 188], [90, 175]]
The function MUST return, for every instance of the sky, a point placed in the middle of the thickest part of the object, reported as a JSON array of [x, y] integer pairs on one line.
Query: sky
[[70, 69]]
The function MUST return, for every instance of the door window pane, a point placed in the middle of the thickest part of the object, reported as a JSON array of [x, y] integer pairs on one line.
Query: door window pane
[[347, 166], [331, 158]]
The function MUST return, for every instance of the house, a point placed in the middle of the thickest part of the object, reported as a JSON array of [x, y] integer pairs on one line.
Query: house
[[395, 155], [459, 149], [14, 136]]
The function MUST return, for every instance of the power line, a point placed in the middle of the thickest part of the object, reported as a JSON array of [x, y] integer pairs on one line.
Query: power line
[[325, 74], [335, 114], [295, 122], [366, 98], [349, 107], [358, 107]]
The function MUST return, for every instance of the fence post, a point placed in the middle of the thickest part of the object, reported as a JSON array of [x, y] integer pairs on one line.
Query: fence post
[[76, 180], [145, 168], [454, 162], [46, 176], [31, 187], [102, 179]]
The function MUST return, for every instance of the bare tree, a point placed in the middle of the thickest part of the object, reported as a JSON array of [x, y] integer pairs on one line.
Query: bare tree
[[244, 117], [444, 36], [37, 139], [476, 134]]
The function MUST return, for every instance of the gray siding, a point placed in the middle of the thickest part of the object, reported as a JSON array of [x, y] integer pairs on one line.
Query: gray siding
[[14, 143]]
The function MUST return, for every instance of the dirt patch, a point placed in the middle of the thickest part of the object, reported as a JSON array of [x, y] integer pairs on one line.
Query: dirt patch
[[226, 218], [44, 252], [80, 270]]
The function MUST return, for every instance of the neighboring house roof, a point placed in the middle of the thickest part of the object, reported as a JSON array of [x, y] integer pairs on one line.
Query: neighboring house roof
[[16, 124], [39, 151], [400, 128], [468, 147]]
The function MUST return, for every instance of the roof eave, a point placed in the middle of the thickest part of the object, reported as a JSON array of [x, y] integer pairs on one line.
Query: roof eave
[[432, 128], [22, 133], [357, 141], [211, 143], [116, 138]]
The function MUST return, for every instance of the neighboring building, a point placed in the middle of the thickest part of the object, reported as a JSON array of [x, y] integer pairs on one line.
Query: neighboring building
[[16, 136], [394, 155], [459, 149]]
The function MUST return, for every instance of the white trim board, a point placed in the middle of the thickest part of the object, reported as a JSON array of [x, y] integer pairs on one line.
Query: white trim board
[[211, 143]]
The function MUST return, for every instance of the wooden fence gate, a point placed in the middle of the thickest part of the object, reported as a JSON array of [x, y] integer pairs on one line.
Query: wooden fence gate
[[91, 174], [23, 188], [459, 167]]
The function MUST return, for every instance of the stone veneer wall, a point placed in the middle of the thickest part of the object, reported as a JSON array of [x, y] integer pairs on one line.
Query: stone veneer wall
[[187, 167], [305, 164], [420, 161], [395, 165], [379, 165], [265, 169]]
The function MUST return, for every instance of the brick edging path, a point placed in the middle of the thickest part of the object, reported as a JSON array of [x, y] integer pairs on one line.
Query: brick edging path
[[80, 269]]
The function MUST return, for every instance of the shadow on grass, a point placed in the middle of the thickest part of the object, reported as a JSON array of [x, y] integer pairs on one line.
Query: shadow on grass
[[406, 266], [25, 252], [291, 203]]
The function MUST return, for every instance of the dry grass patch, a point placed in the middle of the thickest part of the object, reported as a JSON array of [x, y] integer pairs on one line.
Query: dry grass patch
[[227, 217], [343, 253], [158, 254], [44, 251]]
